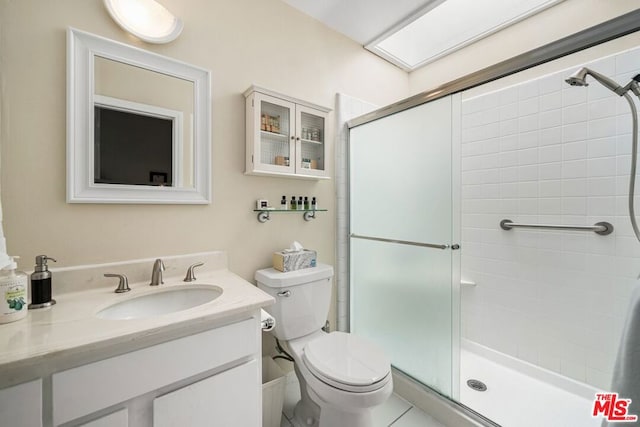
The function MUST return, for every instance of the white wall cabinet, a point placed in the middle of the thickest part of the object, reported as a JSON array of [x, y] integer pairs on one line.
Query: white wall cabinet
[[204, 379], [285, 136]]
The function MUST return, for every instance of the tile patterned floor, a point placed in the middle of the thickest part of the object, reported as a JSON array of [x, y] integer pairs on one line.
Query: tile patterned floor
[[396, 412]]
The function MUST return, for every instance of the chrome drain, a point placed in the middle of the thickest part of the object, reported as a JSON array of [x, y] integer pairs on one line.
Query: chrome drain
[[477, 385]]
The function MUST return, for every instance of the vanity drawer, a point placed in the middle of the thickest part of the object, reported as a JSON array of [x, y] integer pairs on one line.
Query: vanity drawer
[[89, 388]]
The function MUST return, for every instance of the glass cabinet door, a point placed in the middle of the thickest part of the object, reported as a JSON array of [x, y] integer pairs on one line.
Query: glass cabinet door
[[310, 141], [275, 149]]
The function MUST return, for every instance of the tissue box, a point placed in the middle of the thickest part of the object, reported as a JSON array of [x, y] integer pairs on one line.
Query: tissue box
[[289, 261]]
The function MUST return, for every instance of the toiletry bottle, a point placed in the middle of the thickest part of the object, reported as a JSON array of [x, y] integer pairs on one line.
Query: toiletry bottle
[[314, 204], [13, 290], [41, 284], [300, 204], [293, 203], [306, 203], [283, 203]]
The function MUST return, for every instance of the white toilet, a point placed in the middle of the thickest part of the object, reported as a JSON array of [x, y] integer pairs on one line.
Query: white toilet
[[342, 377]]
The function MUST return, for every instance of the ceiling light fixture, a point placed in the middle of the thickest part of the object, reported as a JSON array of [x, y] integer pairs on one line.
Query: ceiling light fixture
[[146, 19]]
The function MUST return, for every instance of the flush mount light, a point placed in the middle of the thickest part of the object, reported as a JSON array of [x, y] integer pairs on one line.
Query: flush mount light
[[145, 19]]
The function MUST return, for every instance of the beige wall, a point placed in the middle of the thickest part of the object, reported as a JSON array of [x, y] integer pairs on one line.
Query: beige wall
[[242, 42], [564, 19]]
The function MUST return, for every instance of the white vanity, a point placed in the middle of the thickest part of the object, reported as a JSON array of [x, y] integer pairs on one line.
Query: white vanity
[[194, 367]]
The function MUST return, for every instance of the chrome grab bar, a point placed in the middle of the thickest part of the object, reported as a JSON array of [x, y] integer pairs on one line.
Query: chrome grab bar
[[603, 228], [404, 242]]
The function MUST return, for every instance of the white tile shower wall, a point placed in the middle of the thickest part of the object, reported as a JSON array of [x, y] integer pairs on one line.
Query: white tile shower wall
[[347, 108], [549, 153]]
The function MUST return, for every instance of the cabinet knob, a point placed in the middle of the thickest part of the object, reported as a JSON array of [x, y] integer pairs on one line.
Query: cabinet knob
[[297, 138], [293, 137]]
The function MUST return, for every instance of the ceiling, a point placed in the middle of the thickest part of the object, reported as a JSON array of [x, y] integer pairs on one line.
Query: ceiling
[[361, 20]]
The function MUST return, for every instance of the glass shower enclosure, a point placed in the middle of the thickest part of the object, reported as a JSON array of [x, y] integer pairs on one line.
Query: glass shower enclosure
[[404, 262]]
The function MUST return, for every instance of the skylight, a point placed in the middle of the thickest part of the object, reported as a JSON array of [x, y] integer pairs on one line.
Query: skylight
[[449, 26]]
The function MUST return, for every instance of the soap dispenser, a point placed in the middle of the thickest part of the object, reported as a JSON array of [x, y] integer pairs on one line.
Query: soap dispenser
[[13, 289], [41, 284]]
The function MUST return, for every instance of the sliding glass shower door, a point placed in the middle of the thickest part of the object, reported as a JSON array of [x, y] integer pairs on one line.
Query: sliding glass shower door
[[401, 257]]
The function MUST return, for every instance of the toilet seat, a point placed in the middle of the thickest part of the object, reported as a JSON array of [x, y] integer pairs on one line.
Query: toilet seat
[[347, 362]]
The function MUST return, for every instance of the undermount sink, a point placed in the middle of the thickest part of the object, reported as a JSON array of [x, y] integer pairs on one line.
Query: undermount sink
[[160, 302]]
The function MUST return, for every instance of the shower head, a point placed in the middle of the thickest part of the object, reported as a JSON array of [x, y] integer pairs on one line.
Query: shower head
[[579, 78]]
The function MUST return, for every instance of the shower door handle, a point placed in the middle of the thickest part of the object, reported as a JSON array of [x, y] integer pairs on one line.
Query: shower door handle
[[405, 242]]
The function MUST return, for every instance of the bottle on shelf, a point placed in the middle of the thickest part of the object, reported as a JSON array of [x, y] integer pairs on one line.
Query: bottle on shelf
[[294, 204], [306, 203], [276, 124], [300, 203], [283, 203], [314, 204]]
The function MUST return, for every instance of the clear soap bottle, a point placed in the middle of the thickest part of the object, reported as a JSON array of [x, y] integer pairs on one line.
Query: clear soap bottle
[[13, 287]]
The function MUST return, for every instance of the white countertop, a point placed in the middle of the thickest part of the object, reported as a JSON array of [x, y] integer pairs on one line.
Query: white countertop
[[70, 327]]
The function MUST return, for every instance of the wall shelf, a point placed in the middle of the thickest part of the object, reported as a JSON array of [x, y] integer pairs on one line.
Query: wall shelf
[[273, 134], [307, 214]]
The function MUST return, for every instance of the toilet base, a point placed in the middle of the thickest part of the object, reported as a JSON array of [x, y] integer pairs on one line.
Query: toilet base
[[322, 405], [312, 411], [303, 417], [307, 412]]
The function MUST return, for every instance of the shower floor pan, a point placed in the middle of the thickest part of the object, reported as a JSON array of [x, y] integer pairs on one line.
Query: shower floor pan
[[516, 399]]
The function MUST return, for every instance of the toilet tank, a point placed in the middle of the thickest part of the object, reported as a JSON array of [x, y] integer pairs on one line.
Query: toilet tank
[[302, 299]]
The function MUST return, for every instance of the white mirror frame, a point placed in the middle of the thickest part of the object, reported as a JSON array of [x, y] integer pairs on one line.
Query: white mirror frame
[[81, 49]]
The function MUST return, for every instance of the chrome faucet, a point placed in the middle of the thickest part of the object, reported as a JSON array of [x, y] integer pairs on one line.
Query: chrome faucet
[[190, 277], [123, 285], [156, 273]]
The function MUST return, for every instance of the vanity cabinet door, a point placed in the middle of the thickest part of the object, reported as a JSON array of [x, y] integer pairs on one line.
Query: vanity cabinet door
[[21, 405], [229, 399]]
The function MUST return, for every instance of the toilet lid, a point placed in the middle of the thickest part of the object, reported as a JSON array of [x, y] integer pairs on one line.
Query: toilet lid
[[347, 359]]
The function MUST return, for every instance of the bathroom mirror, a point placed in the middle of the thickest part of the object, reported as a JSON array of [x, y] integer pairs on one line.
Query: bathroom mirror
[[138, 128]]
